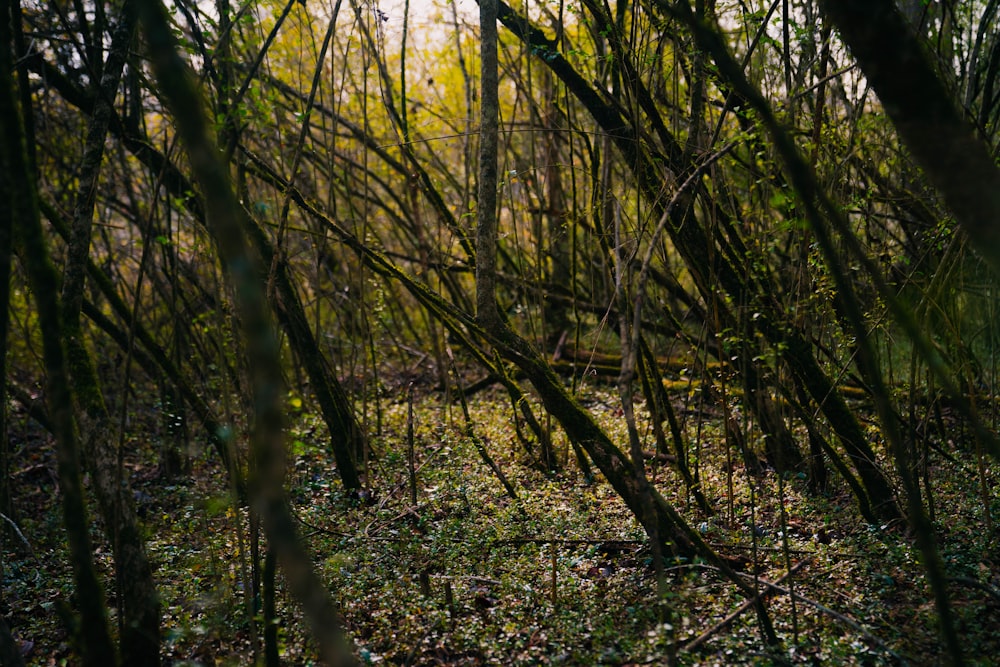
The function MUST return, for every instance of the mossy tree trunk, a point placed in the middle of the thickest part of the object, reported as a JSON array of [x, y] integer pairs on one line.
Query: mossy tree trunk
[[6, 256], [93, 638], [225, 218], [139, 622], [712, 271], [660, 520]]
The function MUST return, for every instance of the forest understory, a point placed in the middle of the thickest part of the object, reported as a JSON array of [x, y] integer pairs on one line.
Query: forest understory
[[572, 332], [466, 575]]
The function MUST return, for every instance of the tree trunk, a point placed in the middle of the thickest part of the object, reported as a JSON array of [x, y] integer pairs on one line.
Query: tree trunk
[[140, 607], [347, 438], [225, 219], [6, 256], [487, 313], [10, 652], [557, 271], [94, 640]]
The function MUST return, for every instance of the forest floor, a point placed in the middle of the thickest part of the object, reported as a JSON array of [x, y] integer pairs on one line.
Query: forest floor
[[562, 575]]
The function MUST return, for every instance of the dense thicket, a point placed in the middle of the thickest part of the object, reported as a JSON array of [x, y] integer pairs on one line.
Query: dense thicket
[[253, 205]]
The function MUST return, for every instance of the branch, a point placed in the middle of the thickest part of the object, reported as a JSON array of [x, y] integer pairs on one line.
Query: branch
[[945, 143]]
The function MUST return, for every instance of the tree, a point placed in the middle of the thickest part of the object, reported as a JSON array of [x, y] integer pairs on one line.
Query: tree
[[94, 639], [721, 219], [224, 216]]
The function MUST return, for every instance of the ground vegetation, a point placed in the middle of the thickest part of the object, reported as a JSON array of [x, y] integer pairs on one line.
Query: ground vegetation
[[578, 332]]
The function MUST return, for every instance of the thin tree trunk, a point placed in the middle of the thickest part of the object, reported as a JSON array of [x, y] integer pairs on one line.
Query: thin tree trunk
[[272, 654], [6, 256], [487, 312], [224, 217], [94, 640], [661, 521], [556, 217], [139, 621]]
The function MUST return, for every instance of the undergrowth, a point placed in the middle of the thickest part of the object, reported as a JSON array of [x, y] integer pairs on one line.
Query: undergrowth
[[560, 575]]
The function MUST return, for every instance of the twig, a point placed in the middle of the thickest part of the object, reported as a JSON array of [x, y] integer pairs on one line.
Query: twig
[[992, 591], [19, 533], [846, 620], [724, 623], [479, 444], [409, 445], [797, 552], [555, 585]]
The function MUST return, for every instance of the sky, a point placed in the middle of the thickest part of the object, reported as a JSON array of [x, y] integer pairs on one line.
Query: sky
[[429, 19]]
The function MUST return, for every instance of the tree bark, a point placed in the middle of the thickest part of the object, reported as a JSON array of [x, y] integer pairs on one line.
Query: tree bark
[[94, 640], [487, 312], [225, 220], [140, 607], [10, 652], [954, 157], [6, 256]]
